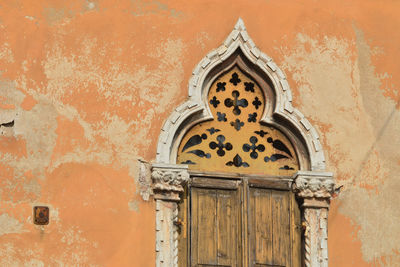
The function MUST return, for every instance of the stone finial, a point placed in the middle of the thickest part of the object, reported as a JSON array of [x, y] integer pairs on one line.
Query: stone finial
[[168, 181]]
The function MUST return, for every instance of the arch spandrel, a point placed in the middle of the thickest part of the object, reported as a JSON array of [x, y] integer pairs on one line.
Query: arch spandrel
[[235, 140]]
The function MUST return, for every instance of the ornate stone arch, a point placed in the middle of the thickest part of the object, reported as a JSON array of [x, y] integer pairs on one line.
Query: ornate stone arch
[[311, 182]]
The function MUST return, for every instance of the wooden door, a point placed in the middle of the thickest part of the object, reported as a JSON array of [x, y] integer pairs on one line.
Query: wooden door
[[241, 223]]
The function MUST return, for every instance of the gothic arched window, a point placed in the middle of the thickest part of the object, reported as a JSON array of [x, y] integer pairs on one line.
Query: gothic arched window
[[238, 168]]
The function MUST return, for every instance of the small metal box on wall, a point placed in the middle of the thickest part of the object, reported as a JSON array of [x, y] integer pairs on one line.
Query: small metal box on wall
[[41, 215]]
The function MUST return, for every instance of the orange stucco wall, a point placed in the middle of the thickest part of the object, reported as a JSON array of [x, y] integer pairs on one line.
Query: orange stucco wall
[[89, 84]]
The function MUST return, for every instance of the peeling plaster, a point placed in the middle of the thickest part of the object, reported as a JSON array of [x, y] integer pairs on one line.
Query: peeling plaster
[[8, 257], [134, 205], [55, 15], [328, 86], [10, 225], [141, 8], [340, 92], [6, 53], [377, 214], [36, 127], [90, 5], [121, 138]]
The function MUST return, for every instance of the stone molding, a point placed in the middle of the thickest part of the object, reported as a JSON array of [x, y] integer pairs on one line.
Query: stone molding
[[311, 184], [238, 39], [169, 180]]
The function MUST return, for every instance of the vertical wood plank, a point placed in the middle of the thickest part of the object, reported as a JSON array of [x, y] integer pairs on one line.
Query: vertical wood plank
[[295, 231], [260, 227], [183, 236], [204, 226], [280, 228], [207, 228], [193, 250], [227, 231], [244, 201], [263, 226]]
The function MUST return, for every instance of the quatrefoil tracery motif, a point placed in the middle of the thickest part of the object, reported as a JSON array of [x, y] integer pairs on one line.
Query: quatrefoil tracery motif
[[237, 104]]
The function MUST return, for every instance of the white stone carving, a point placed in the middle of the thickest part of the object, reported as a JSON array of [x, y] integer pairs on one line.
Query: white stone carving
[[311, 184], [168, 181]]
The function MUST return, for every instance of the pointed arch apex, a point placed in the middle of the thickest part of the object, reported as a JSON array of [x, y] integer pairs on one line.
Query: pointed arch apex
[[240, 24]]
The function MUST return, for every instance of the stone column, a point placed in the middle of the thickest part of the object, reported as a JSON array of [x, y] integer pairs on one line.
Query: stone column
[[316, 189], [168, 183]]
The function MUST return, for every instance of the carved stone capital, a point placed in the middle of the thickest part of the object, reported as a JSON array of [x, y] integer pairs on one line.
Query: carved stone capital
[[313, 184], [168, 181]]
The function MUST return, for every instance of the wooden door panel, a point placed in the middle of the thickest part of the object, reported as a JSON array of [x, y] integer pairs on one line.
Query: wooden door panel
[[260, 228], [280, 228], [204, 207], [215, 227], [228, 227], [268, 227]]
